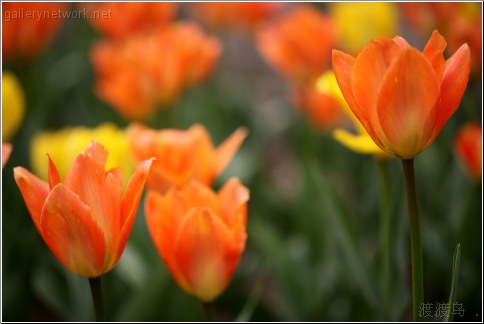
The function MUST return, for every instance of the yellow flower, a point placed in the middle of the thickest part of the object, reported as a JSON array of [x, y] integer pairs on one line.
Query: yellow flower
[[65, 144], [13, 105], [358, 23], [360, 142]]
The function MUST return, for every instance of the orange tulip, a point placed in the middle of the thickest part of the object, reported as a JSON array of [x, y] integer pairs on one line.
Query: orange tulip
[[323, 110], [6, 150], [403, 97], [121, 19], [86, 220], [468, 145], [149, 71], [199, 234], [182, 155], [235, 14], [27, 27], [298, 44]]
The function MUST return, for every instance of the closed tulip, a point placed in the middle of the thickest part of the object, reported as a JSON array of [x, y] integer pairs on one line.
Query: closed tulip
[[86, 220], [199, 234], [402, 96], [289, 43], [468, 146], [182, 155]]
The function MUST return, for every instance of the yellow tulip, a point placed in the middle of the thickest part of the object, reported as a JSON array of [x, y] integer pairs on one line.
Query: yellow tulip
[[13, 105], [65, 144], [360, 142], [358, 23]]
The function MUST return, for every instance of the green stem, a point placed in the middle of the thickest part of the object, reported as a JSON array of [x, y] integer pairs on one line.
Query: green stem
[[209, 310], [97, 297], [385, 236], [415, 240]]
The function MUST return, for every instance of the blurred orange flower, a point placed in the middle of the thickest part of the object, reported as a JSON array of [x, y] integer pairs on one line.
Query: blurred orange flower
[[86, 220], [459, 22], [121, 19], [468, 145], [27, 27], [299, 43], [235, 14], [323, 110], [6, 150], [199, 234], [182, 155], [148, 71], [403, 97]]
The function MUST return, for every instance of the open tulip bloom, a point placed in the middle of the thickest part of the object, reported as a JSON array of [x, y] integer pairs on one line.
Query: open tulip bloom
[[403, 97], [199, 234], [86, 220]]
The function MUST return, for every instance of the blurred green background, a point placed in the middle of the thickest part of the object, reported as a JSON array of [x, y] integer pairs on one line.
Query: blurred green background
[[313, 248]]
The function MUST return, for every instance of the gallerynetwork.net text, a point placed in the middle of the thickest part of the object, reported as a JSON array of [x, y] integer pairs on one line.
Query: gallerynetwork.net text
[[38, 15]]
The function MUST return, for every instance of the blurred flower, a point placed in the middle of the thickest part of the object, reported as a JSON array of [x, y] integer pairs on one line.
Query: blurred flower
[[403, 97], [148, 71], [246, 15], [360, 142], [121, 19], [459, 22], [199, 234], [86, 220], [6, 150], [64, 145], [182, 155], [322, 109], [357, 23], [27, 27], [298, 44], [13, 105], [468, 145]]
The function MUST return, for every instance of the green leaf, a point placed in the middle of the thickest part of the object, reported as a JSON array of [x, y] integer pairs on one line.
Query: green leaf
[[345, 233], [453, 285]]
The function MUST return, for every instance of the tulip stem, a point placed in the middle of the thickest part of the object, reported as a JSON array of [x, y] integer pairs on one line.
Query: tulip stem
[[415, 240], [209, 310], [97, 298], [385, 236]]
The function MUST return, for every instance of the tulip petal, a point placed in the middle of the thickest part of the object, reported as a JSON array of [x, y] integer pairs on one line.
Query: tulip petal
[[6, 150], [72, 234], [357, 143], [342, 67], [34, 191], [366, 78], [207, 253], [130, 202], [163, 217], [226, 151], [406, 100], [205, 168], [86, 178], [454, 83], [197, 195], [233, 196], [54, 177], [434, 51]]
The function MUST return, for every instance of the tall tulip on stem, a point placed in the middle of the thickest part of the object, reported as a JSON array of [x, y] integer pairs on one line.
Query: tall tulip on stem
[[403, 97], [86, 220]]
